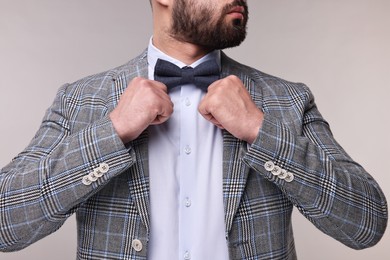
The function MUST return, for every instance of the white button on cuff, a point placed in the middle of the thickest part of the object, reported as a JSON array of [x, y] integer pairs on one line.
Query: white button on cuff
[[95, 174], [92, 177], [98, 173], [269, 166], [136, 244], [103, 167], [86, 180], [283, 174], [290, 177], [187, 255], [276, 170]]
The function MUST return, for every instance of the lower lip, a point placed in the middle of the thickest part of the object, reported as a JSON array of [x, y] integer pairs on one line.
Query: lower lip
[[236, 15]]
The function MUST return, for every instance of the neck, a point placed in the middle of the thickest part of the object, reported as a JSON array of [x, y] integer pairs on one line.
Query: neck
[[185, 52]]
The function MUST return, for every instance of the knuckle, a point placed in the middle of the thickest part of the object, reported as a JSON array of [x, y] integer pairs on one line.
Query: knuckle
[[138, 80], [138, 83], [232, 78]]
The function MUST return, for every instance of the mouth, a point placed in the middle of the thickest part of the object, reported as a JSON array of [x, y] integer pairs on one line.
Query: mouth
[[237, 12]]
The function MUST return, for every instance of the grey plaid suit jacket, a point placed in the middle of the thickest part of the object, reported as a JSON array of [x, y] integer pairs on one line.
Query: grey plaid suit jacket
[[49, 181]]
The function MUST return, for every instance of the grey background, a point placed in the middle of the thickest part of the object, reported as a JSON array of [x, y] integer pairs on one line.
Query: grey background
[[340, 48]]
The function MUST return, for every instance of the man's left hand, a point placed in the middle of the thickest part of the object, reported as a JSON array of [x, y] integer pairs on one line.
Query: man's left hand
[[229, 106]]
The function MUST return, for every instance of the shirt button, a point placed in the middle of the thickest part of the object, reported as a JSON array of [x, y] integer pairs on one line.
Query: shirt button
[[187, 202], [187, 149], [187, 255], [187, 102]]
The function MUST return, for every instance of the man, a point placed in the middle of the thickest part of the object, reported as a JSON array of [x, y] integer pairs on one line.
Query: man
[[161, 169]]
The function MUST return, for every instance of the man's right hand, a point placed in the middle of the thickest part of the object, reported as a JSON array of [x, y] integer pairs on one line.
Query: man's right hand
[[144, 102]]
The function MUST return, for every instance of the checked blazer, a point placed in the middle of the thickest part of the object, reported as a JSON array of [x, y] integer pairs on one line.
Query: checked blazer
[[76, 163]]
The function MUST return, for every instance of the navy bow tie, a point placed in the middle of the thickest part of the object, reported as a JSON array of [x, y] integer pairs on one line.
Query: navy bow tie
[[201, 76]]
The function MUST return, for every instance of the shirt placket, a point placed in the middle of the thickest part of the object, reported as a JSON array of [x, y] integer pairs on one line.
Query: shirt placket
[[187, 171]]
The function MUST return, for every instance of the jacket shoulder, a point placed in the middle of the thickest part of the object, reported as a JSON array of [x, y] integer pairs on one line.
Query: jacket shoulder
[[266, 82], [102, 82]]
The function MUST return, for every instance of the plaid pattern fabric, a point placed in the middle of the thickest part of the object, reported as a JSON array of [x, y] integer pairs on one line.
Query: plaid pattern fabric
[[43, 185]]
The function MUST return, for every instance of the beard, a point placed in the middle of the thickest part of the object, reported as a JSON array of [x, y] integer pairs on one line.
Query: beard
[[198, 25]]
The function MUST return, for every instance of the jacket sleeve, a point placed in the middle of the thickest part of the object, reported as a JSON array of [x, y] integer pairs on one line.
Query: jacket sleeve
[[44, 184], [331, 190]]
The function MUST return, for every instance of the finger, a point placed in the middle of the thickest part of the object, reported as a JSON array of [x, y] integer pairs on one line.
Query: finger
[[209, 116], [213, 120], [150, 85], [203, 105], [164, 113], [159, 85], [159, 120]]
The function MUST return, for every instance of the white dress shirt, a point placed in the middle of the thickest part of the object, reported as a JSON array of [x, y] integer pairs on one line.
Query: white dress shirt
[[185, 166]]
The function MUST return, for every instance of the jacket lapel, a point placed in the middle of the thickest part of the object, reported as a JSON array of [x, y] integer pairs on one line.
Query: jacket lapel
[[138, 174], [235, 172]]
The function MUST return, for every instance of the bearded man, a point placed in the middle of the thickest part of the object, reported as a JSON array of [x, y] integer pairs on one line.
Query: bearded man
[[184, 153]]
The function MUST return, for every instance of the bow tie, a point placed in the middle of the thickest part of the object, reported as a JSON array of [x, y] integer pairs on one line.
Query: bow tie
[[201, 76]]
